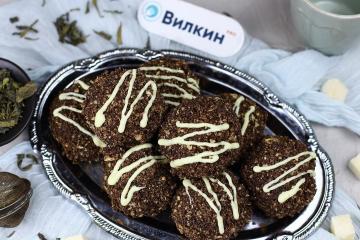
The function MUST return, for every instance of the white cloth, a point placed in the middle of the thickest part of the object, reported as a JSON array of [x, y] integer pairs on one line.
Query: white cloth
[[294, 77]]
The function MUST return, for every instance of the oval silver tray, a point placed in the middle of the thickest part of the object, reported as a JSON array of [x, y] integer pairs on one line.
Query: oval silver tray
[[82, 183]]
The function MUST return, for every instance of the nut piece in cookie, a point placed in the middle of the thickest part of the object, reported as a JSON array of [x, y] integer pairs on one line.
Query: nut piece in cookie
[[124, 108], [137, 181], [174, 79], [280, 176], [251, 116], [211, 207], [69, 128], [200, 137]]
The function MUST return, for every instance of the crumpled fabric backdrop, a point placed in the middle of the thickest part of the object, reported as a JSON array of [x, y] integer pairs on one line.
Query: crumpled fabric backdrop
[[295, 77]]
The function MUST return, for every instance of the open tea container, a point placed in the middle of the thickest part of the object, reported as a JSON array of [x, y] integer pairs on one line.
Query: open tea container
[[15, 194]]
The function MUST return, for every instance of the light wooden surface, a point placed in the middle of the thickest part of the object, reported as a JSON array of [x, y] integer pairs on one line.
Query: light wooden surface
[[270, 21]]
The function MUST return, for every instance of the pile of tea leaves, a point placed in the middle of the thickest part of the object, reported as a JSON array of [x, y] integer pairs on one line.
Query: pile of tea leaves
[[12, 95]]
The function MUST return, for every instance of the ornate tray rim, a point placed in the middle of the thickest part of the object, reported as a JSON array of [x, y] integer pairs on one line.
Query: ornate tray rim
[[120, 232]]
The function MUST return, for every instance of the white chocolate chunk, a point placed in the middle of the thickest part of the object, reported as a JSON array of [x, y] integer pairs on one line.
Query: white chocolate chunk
[[354, 165], [77, 237], [342, 227], [335, 89]]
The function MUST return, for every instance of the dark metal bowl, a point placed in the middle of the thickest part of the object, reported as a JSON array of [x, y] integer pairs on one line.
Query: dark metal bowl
[[83, 183], [19, 76]]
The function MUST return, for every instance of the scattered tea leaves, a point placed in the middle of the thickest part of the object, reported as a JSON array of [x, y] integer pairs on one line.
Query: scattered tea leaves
[[87, 8], [95, 3], [119, 40], [10, 109], [113, 11], [41, 236], [68, 31], [43, 3], [14, 19], [25, 29], [103, 35]]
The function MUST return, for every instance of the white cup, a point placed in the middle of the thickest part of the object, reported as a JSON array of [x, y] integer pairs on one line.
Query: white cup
[[330, 26]]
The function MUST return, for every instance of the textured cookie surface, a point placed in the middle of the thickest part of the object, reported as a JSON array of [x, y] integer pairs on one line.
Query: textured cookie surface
[[124, 108], [137, 181], [211, 208], [280, 176], [252, 118], [69, 128], [174, 79], [200, 138]]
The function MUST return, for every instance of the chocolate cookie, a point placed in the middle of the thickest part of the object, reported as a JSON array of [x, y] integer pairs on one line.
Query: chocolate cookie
[[137, 181], [252, 118], [68, 127], [200, 137], [211, 207], [174, 79], [124, 108], [280, 176]]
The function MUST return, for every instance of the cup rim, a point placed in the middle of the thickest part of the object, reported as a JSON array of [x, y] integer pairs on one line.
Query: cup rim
[[316, 8]]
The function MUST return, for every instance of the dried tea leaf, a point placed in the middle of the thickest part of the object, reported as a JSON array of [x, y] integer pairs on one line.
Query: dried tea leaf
[[20, 159], [87, 8], [29, 29], [74, 9], [10, 235], [119, 35], [103, 35], [113, 11], [94, 2], [14, 19], [8, 124], [68, 31], [24, 29], [43, 3], [33, 157], [25, 91], [41, 236], [31, 39], [147, 46]]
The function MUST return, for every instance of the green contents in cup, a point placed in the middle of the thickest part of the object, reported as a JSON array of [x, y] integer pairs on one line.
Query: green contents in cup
[[12, 95], [340, 7]]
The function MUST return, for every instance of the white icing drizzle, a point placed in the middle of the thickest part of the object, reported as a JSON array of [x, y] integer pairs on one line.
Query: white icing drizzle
[[220, 222], [82, 84], [232, 196], [282, 180], [184, 94], [172, 103], [57, 113], [237, 104], [72, 96], [125, 114], [247, 119], [118, 171], [78, 98], [213, 201], [167, 69], [191, 84], [203, 157]]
